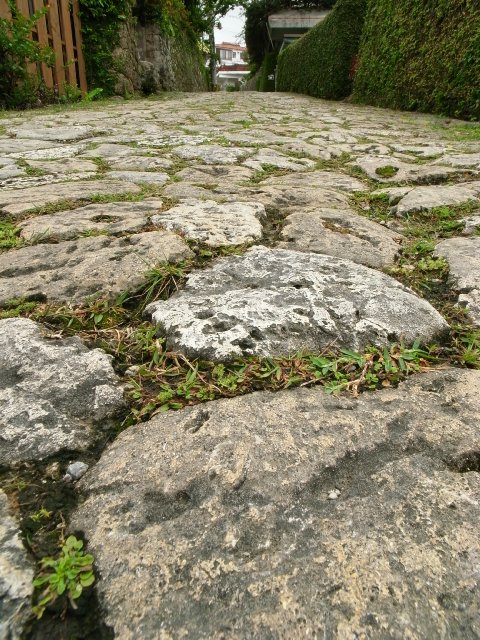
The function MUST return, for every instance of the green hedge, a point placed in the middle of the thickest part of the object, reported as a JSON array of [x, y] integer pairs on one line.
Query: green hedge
[[421, 55], [320, 62], [267, 69]]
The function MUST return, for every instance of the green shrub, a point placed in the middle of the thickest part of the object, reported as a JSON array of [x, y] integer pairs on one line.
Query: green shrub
[[267, 69], [18, 87], [101, 23], [320, 63], [421, 55], [256, 19]]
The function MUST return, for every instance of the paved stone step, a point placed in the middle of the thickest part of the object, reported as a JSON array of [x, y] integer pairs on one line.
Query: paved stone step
[[278, 302], [74, 270], [294, 515], [52, 392]]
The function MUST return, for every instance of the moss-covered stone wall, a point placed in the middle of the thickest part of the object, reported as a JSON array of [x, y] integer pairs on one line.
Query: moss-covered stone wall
[[320, 63], [421, 55]]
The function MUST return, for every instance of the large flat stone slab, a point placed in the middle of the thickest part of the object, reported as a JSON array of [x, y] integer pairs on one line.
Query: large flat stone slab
[[16, 575], [294, 515], [212, 153], [271, 158], [215, 224], [341, 233], [406, 200], [376, 167], [463, 257], [214, 174], [319, 180], [34, 131], [112, 218], [19, 147], [467, 160], [16, 202], [97, 266], [52, 392], [143, 177], [277, 302]]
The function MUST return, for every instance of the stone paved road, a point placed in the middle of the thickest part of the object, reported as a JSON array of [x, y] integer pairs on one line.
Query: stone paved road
[[373, 533]]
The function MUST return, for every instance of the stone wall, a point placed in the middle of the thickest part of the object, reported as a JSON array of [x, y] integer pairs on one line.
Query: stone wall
[[148, 60]]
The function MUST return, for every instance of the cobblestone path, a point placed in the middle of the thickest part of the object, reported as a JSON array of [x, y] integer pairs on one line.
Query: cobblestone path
[[167, 263]]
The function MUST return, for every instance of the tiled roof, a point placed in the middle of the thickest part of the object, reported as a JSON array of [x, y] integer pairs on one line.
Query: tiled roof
[[229, 45]]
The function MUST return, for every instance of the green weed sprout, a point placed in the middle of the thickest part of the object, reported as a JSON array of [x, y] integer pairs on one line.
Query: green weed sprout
[[68, 575]]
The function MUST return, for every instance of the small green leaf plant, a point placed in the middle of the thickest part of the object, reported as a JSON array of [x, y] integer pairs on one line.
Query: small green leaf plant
[[67, 576]]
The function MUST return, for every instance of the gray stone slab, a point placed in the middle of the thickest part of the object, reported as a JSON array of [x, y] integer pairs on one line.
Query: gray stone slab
[[288, 198], [16, 575], [53, 133], [187, 191], [214, 224], [16, 202], [74, 270], [407, 200], [111, 151], [294, 515], [271, 158], [19, 147], [52, 392], [140, 163], [113, 218], [463, 257], [422, 151], [374, 166], [212, 153], [65, 166], [277, 302], [52, 153], [343, 234], [214, 174], [467, 160], [144, 177], [472, 224], [319, 180]]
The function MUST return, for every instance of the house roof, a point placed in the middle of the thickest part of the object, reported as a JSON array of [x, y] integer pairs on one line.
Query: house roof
[[233, 67], [231, 46]]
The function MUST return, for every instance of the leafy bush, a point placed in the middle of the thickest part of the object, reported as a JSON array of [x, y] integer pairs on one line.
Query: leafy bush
[[267, 69], [256, 19], [320, 63], [421, 55], [18, 87], [101, 22]]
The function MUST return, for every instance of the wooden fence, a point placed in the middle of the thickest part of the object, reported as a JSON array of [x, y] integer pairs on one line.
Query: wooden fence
[[59, 29]]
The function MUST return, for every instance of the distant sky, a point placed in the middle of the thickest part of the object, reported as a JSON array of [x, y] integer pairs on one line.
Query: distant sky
[[232, 27]]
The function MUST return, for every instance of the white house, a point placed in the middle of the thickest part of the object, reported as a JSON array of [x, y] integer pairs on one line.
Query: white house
[[233, 66]]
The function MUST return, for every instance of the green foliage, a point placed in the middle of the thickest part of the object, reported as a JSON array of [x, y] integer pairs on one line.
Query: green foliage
[[9, 236], [67, 575], [19, 88], [267, 69], [320, 62], [256, 18], [101, 21], [170, 15], [421, 55]]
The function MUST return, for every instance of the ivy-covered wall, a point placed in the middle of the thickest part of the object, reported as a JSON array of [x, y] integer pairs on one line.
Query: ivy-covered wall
[[421, 55], [321, 62], [140, 45], [101, 24]]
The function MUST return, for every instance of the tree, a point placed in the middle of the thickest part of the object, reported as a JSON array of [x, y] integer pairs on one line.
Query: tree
[[212, 11]]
